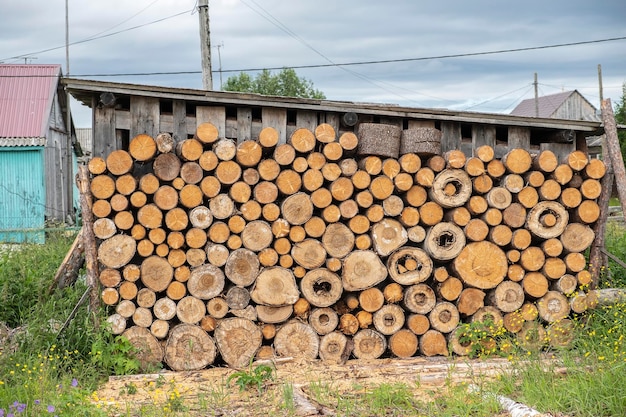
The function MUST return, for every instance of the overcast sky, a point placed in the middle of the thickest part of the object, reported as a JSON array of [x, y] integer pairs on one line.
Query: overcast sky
[[146, 36]]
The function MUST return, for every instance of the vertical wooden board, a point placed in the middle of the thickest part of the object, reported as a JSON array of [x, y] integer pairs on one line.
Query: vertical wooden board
[[332, 119], [179, 126], [306, 119], [212, 114], [244, 124], [581, 142], [276, 118], [450, 136], [561, 150], [144, 116], [413, 124], [395, 121], [483, 135], [518, 137], [104, 138], [467, 148]]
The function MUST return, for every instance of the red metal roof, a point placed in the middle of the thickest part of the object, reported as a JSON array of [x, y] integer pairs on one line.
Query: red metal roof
[[26, 98]]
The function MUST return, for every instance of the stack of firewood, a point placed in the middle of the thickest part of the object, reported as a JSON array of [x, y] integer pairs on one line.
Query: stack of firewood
[[330, 245]]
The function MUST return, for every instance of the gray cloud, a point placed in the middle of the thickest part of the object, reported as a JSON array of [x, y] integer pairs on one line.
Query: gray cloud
[[346, 31]]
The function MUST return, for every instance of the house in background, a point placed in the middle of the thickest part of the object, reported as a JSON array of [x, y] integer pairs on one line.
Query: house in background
[[36, 153], [570, 105]]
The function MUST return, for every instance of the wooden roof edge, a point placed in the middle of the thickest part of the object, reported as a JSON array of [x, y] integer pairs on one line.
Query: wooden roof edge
[[83, 91]]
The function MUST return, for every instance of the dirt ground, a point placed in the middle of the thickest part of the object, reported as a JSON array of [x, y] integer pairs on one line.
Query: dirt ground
[[207, 392]]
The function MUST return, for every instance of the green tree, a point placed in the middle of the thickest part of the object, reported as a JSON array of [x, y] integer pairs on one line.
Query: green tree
[[285, 83], [620, 118]]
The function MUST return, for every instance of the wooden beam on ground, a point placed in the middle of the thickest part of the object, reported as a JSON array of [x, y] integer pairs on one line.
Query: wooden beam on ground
[[69, 268]]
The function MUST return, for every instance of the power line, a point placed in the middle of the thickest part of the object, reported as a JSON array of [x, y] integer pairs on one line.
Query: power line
[[385, 61], [100, 37]]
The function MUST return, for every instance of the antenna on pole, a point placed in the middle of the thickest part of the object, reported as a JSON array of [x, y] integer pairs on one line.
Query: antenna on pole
[[205, 44], [536, 96], [219, 58]]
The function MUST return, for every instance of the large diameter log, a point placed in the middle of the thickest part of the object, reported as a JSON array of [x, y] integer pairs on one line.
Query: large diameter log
[[148, 349], [389, 319], [335, 347], [190, 310], [517, 161], [297, 340], [338, 240], [117, 251], [362, 269], [242, 267], [409, 265], [309, 253], [238, 340], [451, 188], [577, 237], [369, 344], [257, 235], [388, 235], [156, 273], [444, 317], [321, 287], [508, 296], [553, 306], [206, 282], [189, 348], [297, 209], [379, 139], [423, 141], [433, 343], [420, 299], [275, 286], [166, 166], [324, 320], [444, 241], [403, 343], [481, 264]]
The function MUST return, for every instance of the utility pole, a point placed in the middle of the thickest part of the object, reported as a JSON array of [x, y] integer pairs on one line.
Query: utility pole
[[536, 97], [205, 44], [600, 83], [219, 57]]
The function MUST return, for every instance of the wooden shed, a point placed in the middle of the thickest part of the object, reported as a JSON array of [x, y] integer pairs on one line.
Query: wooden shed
[[121, 111], [36, 156]]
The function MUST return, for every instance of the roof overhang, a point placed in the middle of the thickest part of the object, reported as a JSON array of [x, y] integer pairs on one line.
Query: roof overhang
[[85, 91]]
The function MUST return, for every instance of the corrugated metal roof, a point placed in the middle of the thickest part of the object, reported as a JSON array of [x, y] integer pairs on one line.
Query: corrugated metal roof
[[26, 97], [547, 105]]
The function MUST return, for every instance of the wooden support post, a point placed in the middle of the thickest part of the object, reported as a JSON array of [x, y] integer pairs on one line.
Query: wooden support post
[[89, 240], [612, 144]]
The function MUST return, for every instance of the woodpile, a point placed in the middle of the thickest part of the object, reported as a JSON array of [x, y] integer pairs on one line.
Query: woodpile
[[330, 246]]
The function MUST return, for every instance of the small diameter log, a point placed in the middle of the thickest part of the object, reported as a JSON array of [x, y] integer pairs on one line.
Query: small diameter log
[[481, 264], [514, 215], [423, 141], [323, 320], [418, 323], [379, 139], [409, 265], [535, 284], [257, 236], [545, 161], [362, 269], [371, 300], [451, 188], [275, 286], [403, 343], [119, 162], [369, 344], [296, 340], [499, 197], [387, 236], [189, 348], [338, 240], [321, 287], [450, 289]]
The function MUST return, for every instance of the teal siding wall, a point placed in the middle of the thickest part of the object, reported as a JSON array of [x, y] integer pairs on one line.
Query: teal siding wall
[[22, 195]]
